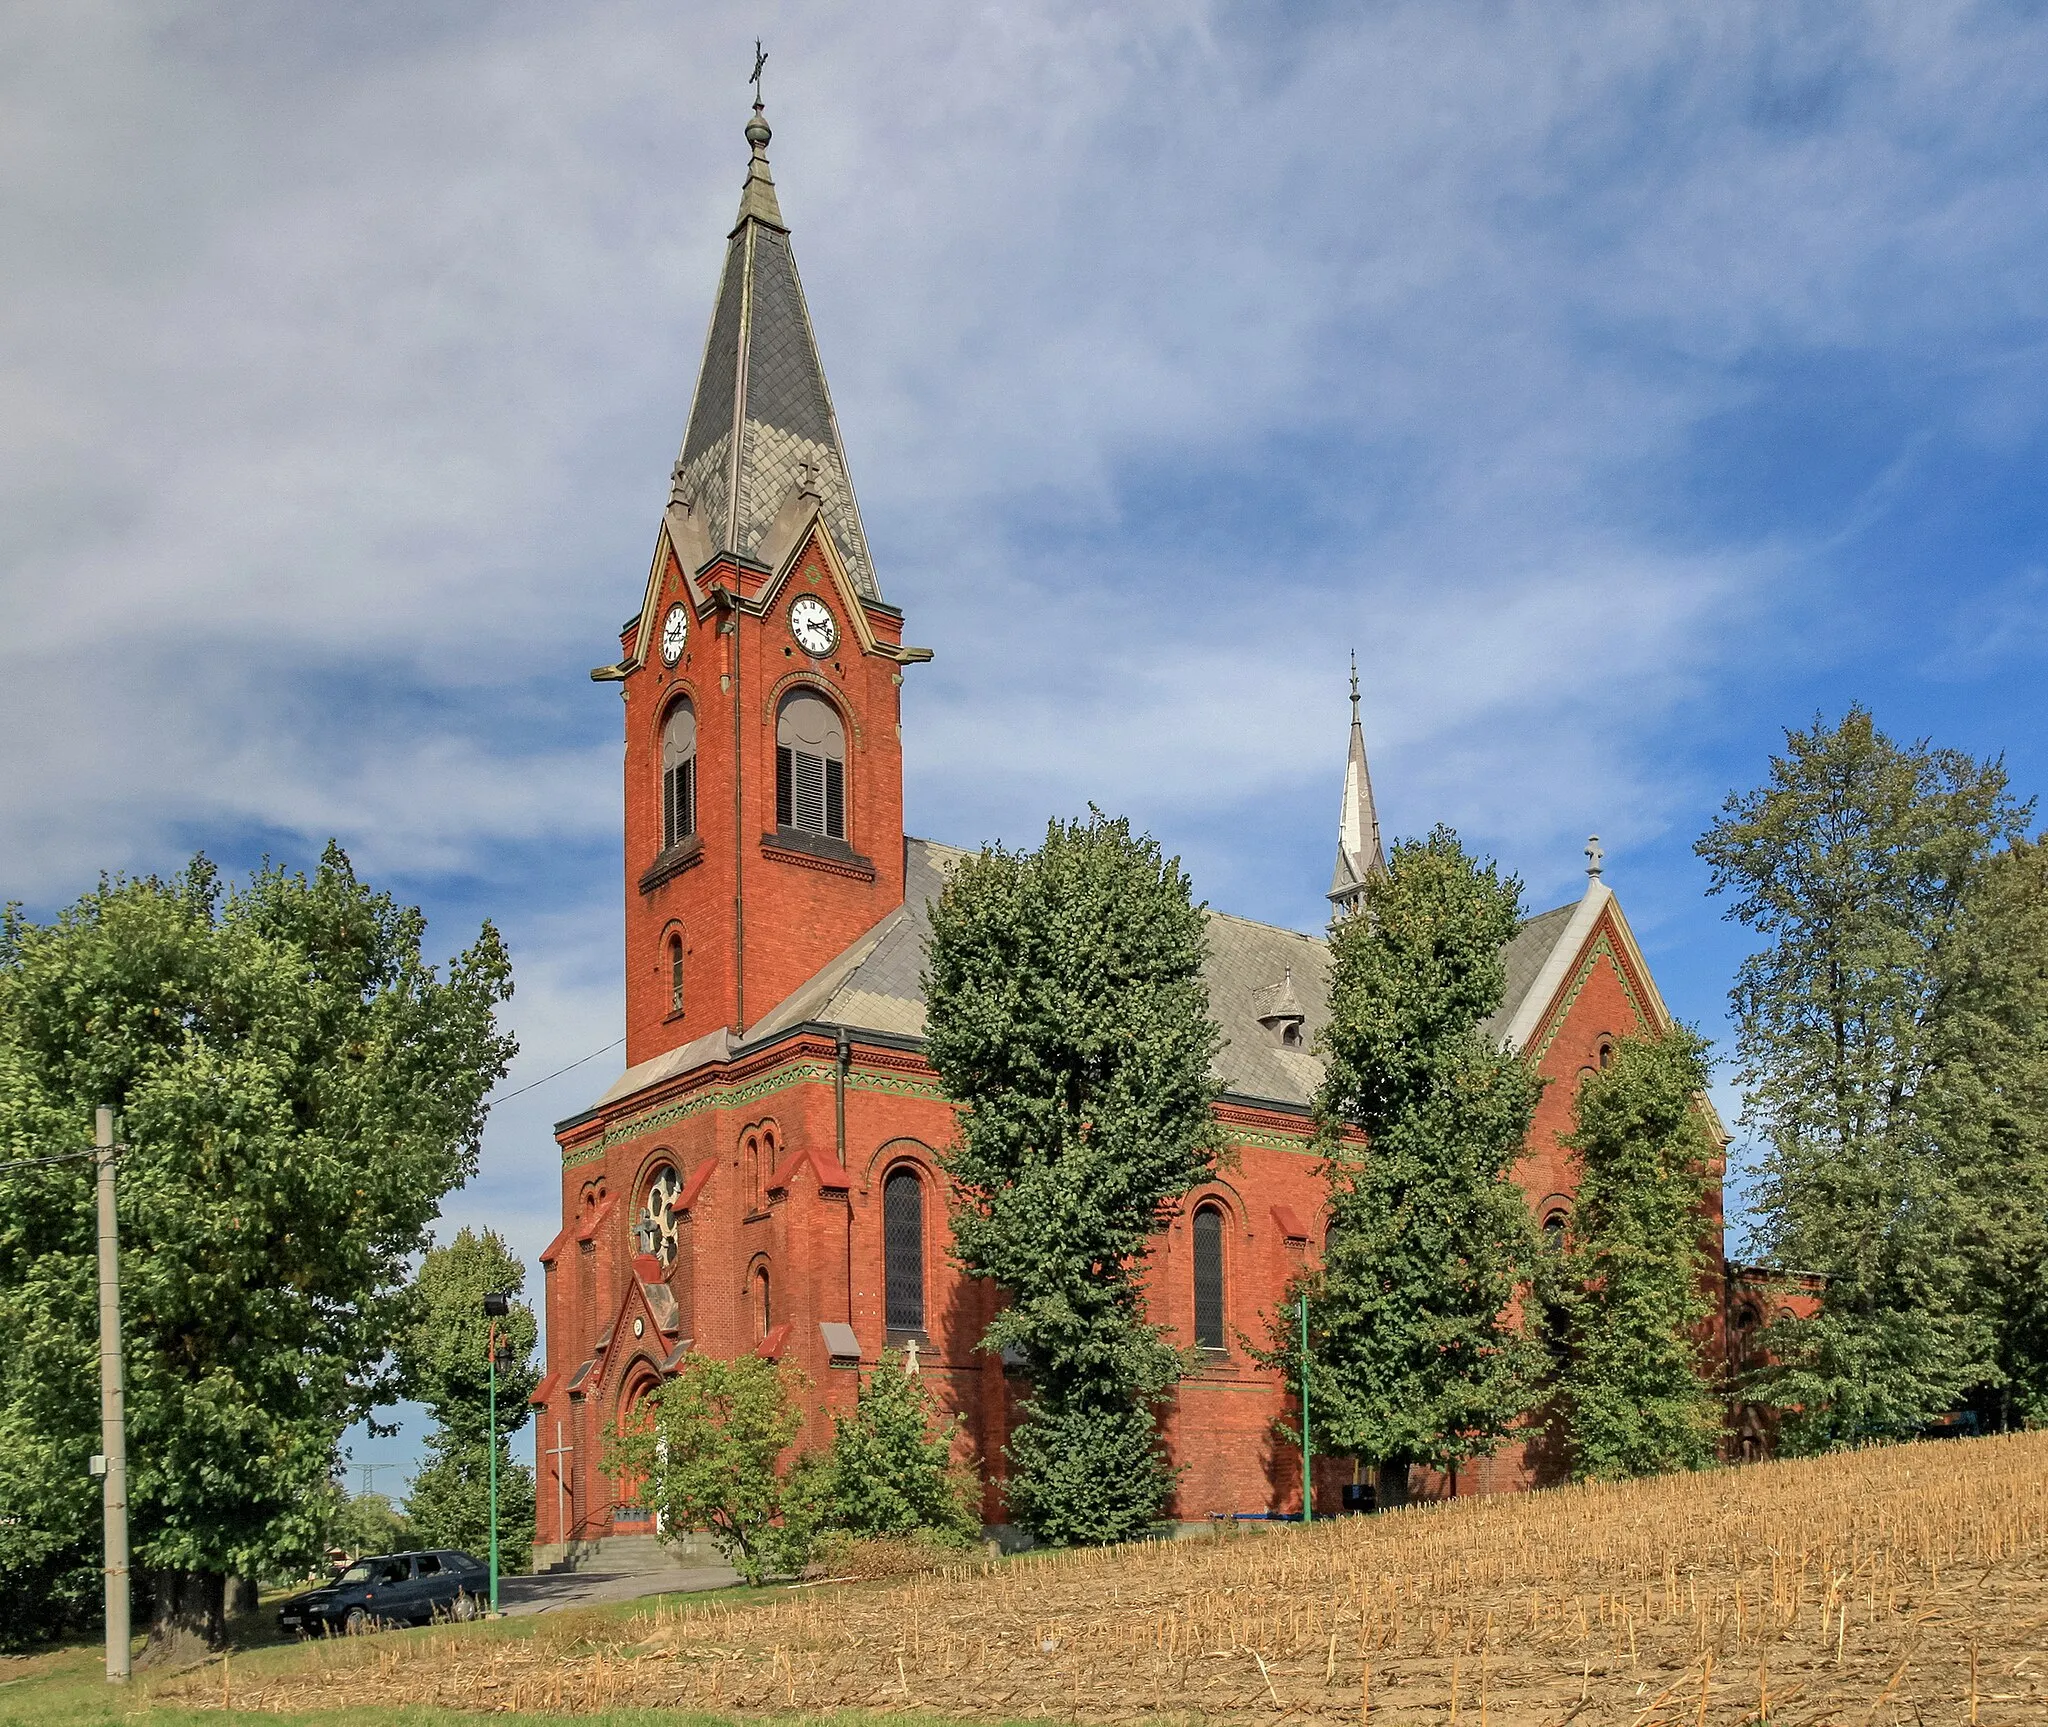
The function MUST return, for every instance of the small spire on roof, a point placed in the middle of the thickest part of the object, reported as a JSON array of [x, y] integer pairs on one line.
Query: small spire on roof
[[1359, 855], [1595, 857]]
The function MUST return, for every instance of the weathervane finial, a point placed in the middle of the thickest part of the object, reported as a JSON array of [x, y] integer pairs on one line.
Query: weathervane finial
[[1354, 686], [760, 60]]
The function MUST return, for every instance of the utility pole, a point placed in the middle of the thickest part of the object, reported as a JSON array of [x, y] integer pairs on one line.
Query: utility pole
[[1308, 1509], [113, 1459]]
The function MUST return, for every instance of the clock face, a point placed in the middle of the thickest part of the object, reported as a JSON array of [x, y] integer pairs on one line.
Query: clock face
[[675, 631], [810, 621]]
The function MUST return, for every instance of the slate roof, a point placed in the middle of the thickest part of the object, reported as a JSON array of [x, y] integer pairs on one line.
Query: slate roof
[[875, 985], [762, 423]]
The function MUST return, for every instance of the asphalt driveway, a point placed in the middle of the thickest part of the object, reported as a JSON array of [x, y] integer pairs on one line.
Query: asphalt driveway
[[551, 1591]]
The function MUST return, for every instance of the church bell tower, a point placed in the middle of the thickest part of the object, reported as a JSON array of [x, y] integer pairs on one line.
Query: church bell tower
[[762, 678]]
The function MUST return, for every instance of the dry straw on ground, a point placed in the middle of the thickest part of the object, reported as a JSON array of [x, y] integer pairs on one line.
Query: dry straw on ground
[[1907, 1585]]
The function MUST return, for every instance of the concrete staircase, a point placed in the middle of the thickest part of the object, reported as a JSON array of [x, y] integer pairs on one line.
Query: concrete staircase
[[635, 1556]]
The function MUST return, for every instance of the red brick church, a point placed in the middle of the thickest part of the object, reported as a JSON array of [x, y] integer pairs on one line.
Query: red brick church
[[763, 1176]]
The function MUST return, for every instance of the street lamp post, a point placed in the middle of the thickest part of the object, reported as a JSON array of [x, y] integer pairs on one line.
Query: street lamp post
[[497, 1304], [1308, 1510]]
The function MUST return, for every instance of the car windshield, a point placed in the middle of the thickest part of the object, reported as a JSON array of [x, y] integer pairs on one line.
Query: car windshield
[[358, 1573]]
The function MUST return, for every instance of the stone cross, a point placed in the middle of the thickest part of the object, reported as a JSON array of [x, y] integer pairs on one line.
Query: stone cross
[[1595, 857]]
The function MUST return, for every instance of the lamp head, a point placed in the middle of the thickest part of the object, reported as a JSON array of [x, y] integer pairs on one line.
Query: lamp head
[[497, 1303]]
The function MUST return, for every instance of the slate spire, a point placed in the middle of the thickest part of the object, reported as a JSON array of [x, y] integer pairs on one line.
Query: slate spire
[[1358, 823], [761, 425]]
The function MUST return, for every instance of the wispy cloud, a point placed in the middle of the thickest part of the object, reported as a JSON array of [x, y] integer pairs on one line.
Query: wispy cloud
[[1615, 383]]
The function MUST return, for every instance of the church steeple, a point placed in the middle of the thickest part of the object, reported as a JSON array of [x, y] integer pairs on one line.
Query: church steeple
[[761, 428], [1359, 856]]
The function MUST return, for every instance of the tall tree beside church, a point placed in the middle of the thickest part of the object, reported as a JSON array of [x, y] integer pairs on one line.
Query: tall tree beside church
[[1635, 1395], [298, 1089], [1414, 1358], [1069, 1021], [1870, 867], [444, 1359]]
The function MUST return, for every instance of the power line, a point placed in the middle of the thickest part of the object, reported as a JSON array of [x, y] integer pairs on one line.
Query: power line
[[544, 1078], [68, 1156]]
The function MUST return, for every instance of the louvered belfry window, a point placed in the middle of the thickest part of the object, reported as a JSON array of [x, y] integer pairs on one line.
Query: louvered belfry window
[[679, 774], [810, 767], [1209, 1278], [903, 1249]]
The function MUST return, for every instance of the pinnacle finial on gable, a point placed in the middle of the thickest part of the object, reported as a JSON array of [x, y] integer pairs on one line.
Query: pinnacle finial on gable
[[1359, 855]]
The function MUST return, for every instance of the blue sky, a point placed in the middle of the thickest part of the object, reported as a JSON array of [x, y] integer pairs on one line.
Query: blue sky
[[1624, 382]]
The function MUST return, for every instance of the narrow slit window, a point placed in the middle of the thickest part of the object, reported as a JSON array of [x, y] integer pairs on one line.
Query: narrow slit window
[[810, 767], [903, 1249], [675, 974], [679, 774], [1209, 1278]]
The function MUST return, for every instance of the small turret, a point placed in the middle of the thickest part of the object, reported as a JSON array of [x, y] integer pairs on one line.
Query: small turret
[[1359, 856]]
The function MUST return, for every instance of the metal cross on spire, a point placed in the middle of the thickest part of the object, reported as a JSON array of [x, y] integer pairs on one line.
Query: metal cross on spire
[[1354, 686], [760, 60]]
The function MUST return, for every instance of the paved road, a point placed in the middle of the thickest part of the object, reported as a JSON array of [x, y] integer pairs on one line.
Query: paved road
[[550, 1592]]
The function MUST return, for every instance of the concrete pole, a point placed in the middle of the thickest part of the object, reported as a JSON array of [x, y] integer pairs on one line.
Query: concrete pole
[[113, 1405]]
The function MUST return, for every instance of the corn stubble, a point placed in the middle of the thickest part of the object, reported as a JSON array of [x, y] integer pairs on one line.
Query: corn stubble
[[1906, 1584]]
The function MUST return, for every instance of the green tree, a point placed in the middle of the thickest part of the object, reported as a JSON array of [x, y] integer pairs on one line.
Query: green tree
[[1635, 1397], [891, 1470], [368, 1523], [1068, 1019], [444, 1361], [1989, 1113], [1860, 859], [298, 1089], [1415, 1357], [705, 1451]]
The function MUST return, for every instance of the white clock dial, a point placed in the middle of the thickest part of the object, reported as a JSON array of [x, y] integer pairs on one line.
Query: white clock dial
[[810, 621], [675, 631]]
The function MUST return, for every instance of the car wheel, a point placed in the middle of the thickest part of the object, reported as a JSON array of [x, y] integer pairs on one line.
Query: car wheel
[[465, 1608], [358, 1622]]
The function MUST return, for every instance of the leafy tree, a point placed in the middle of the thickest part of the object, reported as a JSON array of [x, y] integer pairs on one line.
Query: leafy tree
[[891, 1468], [1414, 1356], [364, 1523], [1989, 1111], [444, 1358], [1635, 1397], [705, 1451], [1861, 860], [298, 1089], [1068, 1019]]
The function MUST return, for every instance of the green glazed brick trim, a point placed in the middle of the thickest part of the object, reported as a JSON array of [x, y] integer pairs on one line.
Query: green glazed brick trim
[[775, 1080], [1601, 949], [1266, 1140]]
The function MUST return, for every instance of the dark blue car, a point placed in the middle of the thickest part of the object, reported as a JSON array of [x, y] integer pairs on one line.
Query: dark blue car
[[392, 1589]]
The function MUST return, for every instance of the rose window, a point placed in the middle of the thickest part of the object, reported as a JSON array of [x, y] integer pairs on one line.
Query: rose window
[[660, 1223]]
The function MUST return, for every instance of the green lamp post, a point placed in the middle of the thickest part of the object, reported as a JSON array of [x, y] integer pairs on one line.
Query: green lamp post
[[1308, 1509], [497, 1304]]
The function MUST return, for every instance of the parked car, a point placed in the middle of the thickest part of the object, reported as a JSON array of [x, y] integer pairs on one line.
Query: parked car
[[392, 1589]]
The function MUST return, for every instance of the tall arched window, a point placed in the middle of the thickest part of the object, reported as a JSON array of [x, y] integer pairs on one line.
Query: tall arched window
[[1209, 1277], [675, 973], [764, 1309], [810, 766], [903, 1249], [679, 774]]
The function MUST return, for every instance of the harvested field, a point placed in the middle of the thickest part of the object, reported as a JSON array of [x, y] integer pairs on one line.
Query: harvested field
[[1907, 1584]]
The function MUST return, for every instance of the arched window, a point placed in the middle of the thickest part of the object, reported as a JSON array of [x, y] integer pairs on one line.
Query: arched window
[[658, 1228], [764, 1309], [675, 972], [679, 774], [754, 1176], [903, 1248], [1553, 1229], [1209, 1277], [810, 767]]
